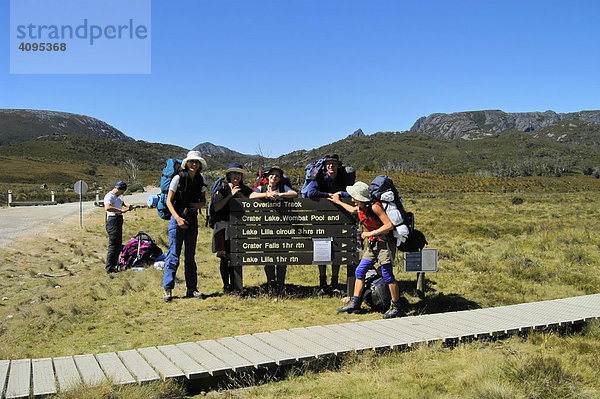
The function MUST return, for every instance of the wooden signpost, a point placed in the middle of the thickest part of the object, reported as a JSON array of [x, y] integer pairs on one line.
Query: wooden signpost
[[299, 231]]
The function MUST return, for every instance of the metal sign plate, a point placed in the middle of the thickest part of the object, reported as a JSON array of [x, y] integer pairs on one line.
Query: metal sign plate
[[80, 187]]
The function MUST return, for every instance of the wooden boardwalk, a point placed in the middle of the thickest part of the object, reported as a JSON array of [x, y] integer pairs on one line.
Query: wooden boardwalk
[[212, 358]]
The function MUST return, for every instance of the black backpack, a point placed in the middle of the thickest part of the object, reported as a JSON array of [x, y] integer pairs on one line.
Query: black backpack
[[414, 242], [376, 293]]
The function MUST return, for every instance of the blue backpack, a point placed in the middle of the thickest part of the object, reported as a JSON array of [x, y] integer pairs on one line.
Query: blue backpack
[[210, 211], [172, 168], [312, 171]]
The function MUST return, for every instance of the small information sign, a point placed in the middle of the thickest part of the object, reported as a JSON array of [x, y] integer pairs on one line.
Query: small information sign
[[322, 250], [422, 261]]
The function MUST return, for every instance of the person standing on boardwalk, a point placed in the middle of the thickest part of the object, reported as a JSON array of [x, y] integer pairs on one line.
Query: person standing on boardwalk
[[380, 248], [275, 189], [186, 196], [333, 180], [113, 204], [232, 187]]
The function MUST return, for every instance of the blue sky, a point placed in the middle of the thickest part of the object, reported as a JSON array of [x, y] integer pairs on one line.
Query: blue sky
[[282, 75]]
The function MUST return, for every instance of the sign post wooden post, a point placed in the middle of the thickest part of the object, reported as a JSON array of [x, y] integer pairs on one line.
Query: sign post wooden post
[[289, 232]]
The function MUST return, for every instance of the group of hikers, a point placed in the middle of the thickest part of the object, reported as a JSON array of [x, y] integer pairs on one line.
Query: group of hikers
[[187, 194]]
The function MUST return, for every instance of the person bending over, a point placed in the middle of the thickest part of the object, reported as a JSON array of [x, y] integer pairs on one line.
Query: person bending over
[[380, 248]]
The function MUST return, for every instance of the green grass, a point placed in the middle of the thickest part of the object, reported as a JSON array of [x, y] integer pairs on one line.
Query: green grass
[[493, 251]]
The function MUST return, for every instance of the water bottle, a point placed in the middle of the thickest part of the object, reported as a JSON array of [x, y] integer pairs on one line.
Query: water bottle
[[359, 240]]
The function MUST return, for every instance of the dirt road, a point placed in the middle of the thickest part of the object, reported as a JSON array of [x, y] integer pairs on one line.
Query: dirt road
[[32, 220]]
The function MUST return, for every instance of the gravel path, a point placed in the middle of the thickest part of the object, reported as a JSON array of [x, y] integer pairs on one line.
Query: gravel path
[[23, 221]]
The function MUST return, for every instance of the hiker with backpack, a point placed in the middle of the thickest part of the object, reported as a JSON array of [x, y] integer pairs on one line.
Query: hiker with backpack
[[325, 178], [185, 197], [113, 204], [231, 186], [275, 189], [380, 248]]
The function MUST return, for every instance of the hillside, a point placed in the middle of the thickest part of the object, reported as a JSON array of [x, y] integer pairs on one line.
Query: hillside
[[486, 143], [19, 125], [64, 159], [547, 144]]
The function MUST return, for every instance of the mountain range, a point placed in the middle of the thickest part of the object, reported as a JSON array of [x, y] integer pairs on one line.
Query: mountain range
[[19, 125], [490, 143], [477, 124]]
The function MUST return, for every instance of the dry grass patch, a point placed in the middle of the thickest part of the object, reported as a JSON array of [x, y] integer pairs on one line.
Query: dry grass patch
[[493, 251]]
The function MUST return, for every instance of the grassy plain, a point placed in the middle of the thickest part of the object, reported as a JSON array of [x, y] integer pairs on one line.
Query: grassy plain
[[498, 245]]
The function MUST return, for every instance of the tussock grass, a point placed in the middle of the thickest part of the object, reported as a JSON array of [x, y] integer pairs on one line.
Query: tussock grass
[[540, 365], [493, 251]]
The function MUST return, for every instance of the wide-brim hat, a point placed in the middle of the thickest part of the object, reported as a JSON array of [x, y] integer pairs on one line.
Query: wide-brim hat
[[236, 167], [275, 167], [359, 191], [332, 157], [193, 155]]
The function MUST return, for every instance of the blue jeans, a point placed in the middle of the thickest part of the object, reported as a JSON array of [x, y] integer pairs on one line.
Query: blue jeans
[[179, 237]]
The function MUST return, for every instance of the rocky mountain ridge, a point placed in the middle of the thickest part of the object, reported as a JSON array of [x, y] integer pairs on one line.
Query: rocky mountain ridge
[[19, 125], [476, 124]]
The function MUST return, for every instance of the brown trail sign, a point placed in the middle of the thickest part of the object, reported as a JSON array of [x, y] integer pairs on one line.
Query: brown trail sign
[[300, 231], [292, 245]]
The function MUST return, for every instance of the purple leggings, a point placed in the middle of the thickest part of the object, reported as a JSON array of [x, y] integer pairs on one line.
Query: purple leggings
[[387, 270]]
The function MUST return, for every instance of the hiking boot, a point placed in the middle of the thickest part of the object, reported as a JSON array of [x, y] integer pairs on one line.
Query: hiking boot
[[325, 290], [167, 297], [280, 290], [194, 294], [352, 306], [394, 311]]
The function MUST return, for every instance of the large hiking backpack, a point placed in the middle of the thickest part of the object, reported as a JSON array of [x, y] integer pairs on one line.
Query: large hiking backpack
[[316, 169], [312, 171], [172, 168], [376, 293], [263, 178], [141, 249], [408, 239], [210, 209]]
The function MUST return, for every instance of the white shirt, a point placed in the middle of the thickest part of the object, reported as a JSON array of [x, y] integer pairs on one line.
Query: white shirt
[[113, 200]]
